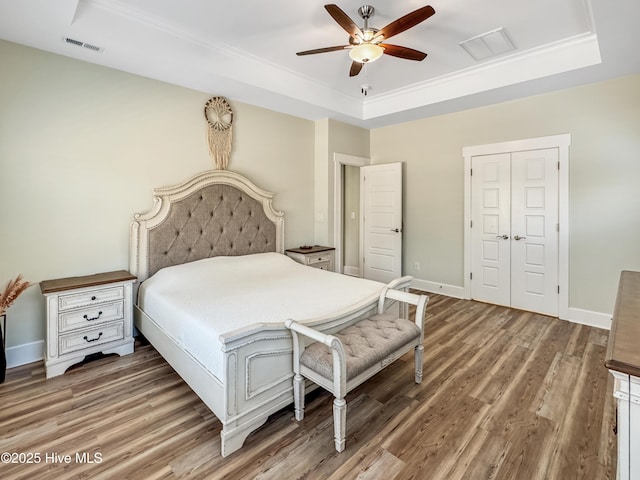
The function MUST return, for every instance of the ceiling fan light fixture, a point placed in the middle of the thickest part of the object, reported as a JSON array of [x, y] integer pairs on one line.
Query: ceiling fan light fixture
[[366, 53], [367, 35]]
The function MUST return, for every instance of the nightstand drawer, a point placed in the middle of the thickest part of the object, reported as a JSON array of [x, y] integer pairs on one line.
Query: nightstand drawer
[[321, 265], [318, 258], [87, 317], [90, 338], [91, 297]]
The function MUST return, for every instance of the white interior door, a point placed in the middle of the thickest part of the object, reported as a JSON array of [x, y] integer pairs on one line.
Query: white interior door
[[514, 234], [491, 231], [534, 228], [381, 193]]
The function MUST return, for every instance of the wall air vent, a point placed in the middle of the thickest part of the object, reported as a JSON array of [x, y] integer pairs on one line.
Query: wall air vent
[[78, 43]]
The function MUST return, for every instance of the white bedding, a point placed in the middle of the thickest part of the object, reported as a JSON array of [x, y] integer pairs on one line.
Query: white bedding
[[196, 302]]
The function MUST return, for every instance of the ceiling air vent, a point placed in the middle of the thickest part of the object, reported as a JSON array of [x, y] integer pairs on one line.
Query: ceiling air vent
[[78, 43], [489, 44]]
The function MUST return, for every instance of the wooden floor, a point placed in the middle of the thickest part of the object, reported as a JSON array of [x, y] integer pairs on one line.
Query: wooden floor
[[506, 395]]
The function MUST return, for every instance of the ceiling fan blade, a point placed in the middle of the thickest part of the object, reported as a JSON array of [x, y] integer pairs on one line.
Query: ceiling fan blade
[[355, 68], [324, 50], [343, 20], [404, 23], [403, 52]]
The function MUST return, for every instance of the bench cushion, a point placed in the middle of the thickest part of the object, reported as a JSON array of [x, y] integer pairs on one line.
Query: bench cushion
[[365, 343]]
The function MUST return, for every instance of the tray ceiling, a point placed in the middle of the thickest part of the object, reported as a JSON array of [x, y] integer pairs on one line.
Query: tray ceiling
[[245, 50]]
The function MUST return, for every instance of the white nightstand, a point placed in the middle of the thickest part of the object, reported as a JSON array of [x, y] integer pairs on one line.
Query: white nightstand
[[316, 256], [87, 315]]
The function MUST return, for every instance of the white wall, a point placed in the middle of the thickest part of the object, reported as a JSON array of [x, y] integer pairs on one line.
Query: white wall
[[604, 207], [81, 147]]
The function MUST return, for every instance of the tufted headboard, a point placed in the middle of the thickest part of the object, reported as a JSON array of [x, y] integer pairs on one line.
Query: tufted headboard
[[217, 212]]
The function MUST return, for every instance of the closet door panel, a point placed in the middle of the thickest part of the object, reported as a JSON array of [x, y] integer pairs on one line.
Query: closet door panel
[[534, 221], [490, 193]]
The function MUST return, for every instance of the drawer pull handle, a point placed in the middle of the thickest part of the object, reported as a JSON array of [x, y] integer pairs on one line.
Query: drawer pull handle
[[93, 339], [92, 318], [93, 298]]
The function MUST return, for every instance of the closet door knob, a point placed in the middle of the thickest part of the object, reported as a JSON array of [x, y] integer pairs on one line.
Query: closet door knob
[[518, 237], [504, 237]]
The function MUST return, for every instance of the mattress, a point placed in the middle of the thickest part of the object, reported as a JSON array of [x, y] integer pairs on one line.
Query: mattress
[[195, 303]]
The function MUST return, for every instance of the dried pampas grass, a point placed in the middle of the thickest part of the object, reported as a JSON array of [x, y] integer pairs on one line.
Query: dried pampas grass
[[11, 292]]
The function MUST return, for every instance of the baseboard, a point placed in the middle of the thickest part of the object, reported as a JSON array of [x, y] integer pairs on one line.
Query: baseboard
[[25, 353], [441, 288], [589, 318], [576, 315], [353, 271]]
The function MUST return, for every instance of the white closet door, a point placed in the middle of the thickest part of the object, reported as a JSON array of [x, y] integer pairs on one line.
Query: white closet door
[[491, 217], [514, 212], [534, 229]]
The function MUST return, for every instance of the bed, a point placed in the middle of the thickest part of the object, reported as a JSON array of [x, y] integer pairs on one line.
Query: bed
[[214, 289]]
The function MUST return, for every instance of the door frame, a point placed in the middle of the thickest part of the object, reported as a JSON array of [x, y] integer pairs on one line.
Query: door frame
[[340, 160], [562, 142]]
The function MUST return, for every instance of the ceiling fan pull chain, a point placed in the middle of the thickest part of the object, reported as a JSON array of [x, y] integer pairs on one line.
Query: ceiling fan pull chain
[[365, 87]]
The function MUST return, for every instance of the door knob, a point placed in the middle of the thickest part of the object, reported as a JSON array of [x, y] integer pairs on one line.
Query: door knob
[[504, 237], [397, 230], [518, 237]]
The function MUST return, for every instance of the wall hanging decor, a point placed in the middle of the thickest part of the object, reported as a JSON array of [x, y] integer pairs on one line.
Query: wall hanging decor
[[219, 116]]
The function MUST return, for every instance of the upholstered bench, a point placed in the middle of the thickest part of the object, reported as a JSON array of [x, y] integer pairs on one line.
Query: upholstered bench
[[342, 361]]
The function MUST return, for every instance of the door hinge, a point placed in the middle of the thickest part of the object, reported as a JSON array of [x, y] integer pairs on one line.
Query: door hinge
[[471, 172], [471, 224], [558, 165], [471, 276], [558, 288], [557, 227]]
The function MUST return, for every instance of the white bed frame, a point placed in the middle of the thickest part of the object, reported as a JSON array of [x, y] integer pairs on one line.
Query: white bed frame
[[258, 362]]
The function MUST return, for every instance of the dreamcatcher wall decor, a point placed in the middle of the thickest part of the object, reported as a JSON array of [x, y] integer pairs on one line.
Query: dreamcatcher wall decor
[[219, 116]]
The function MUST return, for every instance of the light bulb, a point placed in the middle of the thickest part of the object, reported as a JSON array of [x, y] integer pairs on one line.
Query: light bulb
[[366, 52]]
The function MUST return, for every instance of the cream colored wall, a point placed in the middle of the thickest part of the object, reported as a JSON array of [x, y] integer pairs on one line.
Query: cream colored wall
[[81, 147], [321, 183], [332, 137], [604, 207]]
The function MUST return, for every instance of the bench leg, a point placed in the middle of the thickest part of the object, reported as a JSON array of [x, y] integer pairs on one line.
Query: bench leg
[[418, 362], [298, 396], [340, 422]]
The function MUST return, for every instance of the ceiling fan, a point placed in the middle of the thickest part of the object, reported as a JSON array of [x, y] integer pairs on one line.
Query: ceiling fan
[[368, 44]]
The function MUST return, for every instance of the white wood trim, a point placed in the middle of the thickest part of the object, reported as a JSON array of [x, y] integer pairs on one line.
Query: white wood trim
[[352, 271], [439, 288], [562, 142], [339, 160], [25, 353], [589, 318], [565, 55]]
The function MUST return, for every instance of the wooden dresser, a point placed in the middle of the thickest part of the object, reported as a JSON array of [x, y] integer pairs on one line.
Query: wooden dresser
[[623, 361], [87, 315]]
